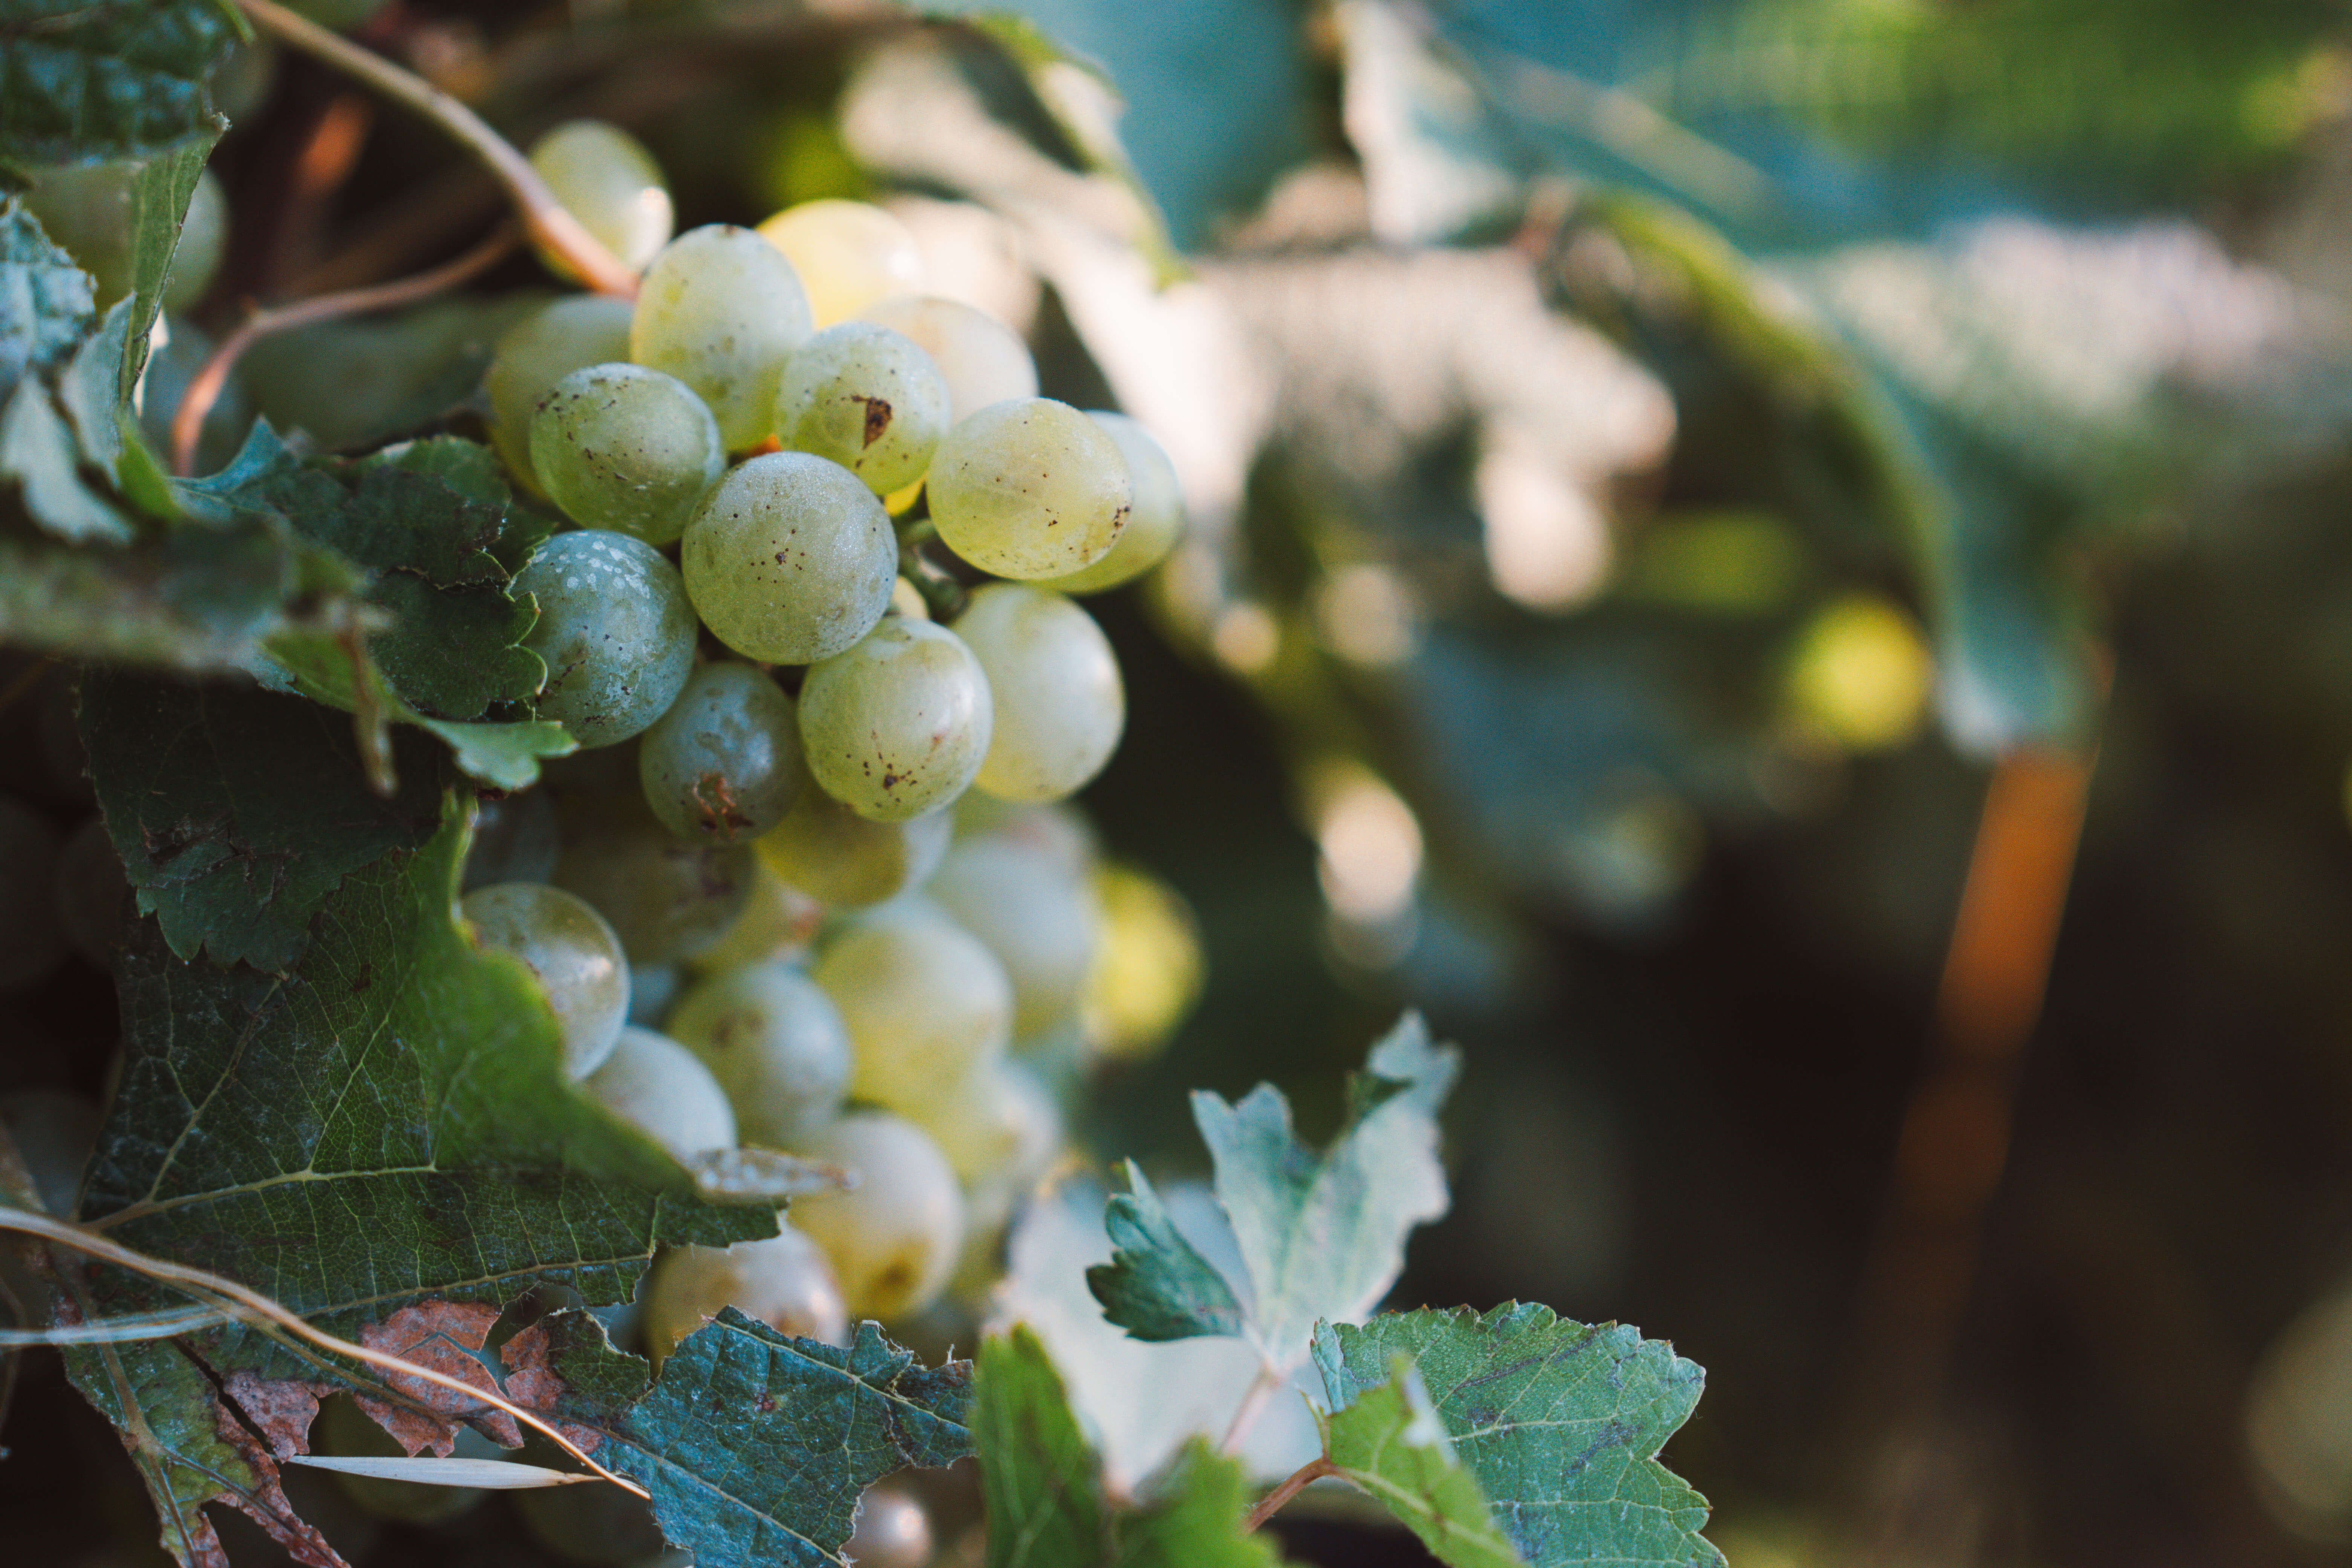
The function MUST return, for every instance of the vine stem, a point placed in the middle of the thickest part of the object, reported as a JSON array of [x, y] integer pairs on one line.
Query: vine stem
[[555, 230], [1314, 1469], [250, 1303], [205, 386], [1252, 1405]]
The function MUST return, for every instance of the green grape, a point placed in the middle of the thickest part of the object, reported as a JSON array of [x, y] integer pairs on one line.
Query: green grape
[[1037, 916], [791, 559], [783, 1282], [981, 359], [204, 240], [344, 1431], [838, 857], [867, 399], [777, 922], [1059, 832], [539, 351], [601, 1525], [897, 726], [1155, 518], [662, 1090], [924, 1000], [653, 987], [605, 177], [243, 79], [514, 841], [1029, 488], [724, 762], [999, 1124], [570, 951], [1060, 707], [625, 447], [893, 1530], [177, 354], [721, 310], [615, 630], [893, 1238], [93, 897], [667, 900], [848, 254], [775, 1043], [87, 209], [30, 943]]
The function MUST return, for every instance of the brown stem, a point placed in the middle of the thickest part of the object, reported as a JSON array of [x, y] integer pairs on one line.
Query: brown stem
[[204, 387], [1314, 1469], [555, 230], [1246, 1413]]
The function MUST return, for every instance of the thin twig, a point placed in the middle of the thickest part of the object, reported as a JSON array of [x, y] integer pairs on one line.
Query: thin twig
[[1314, 1469], [1245, 1413], [243, 1301], [205, 386], [555, 230]]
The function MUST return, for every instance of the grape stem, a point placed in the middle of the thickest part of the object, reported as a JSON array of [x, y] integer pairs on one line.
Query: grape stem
[[204, 387], [1314, 1469], [555, 230]]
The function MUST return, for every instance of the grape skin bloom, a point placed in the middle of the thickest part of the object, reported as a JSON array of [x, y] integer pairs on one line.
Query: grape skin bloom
[[570, 951], [722, 309], [615, 630], [1060, 705], [867, 399], [724, 762], [1155, 519], [898, 725], [1029, 489], [623, 448], [791, 559]]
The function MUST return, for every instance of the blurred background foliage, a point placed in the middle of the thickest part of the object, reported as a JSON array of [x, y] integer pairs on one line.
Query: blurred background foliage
[[1653, 463]]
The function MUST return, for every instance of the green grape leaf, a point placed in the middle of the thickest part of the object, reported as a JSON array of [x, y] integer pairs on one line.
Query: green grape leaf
[[160, 192], [806, 1427], [1390, 1443], [1191, 1518], [1039, 1477], [1559, 1423], [40, 455], [114, 81], [45, 300], [1323, 1233], [1157, 1286]]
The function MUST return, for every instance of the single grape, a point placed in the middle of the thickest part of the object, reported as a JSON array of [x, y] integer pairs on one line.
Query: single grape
[[615, 630], [778, 921], [625, 447], [721, 310], [666, 899], [897, 726], [1060, 706], [31, 945], [848, 254], [653, 988], [1058, 832], [724, 762], [242, 81], [570, 951], [660, 1087], [539, 351], [924, 1000], [93, 896], [204, 240], [344, 1431], [791, 559], [893, 1530], [601, 1525], [1029, 488], [864, 398], [981, 359], [838, 857], [1148, 967], [775, 1043], [1155, 518], [783, 1282], [1038, 918], [514, 840], [605, 177], [893, 1238], [999, 1123]]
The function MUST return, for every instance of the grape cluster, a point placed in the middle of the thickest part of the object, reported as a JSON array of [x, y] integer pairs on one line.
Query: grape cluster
[[807, 886]]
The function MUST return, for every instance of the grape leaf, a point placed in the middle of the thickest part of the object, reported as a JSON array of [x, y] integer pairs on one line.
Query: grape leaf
[[1157, 1286], [1390, 1443], [806, 1427], [160, 192], [1560, 1424], [1192, 1518], [114, 81], [46, 302]]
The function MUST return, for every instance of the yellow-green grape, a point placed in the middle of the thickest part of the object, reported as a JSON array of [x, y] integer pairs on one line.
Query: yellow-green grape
[[539, 351], [625, 447], [1038, 918], [721, 310], [774, 1041], [344, 1431], [87, 209], [981, 359], [606, 179], [615, 630], [998, 1122], [1058, 832], [778, 921], [893, 1530], [893, 1238], [867, 399], [1029, 488], [1060, 706], [663, 1090], [897, 726], [30, 943], [906, 599], [791, 559], [1148, 967], [602, 1525], [924, 1000], [848, 254], [1155, 518], [666, 899], [838, 857], [570, 951], [783, 1282], [724, 763]]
